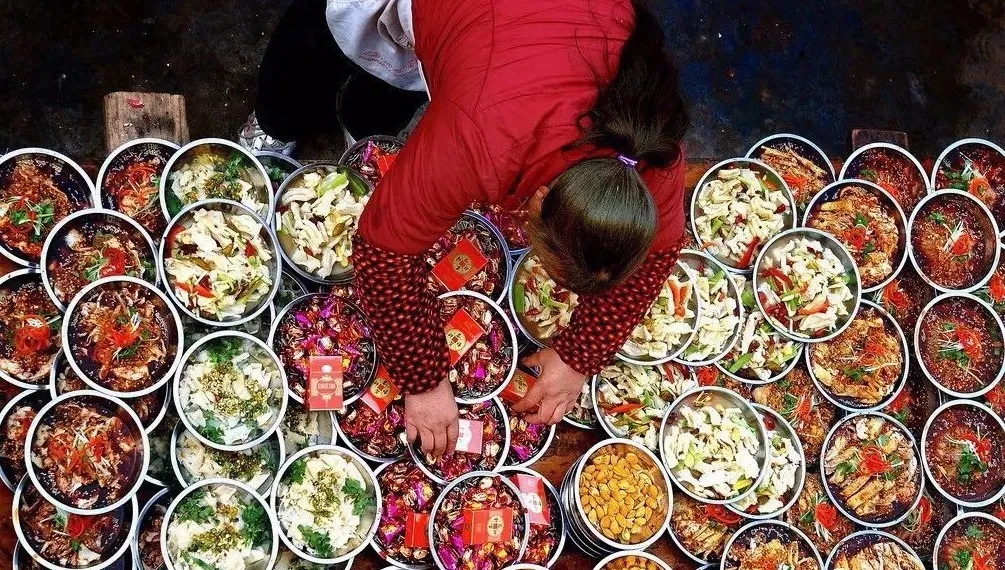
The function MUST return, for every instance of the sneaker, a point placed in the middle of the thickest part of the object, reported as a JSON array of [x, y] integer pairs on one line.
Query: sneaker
[[253, 138]]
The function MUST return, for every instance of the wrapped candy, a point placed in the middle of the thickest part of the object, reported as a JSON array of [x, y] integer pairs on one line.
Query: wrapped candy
[[490, 280], [372, 158], [489, 362], [528, 441], [405, 490], [320, 325], [494, 445], [477, 493], [378, 436], [510, 224]]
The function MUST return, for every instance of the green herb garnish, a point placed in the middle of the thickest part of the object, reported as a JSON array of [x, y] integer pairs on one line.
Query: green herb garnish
[[318, 542]]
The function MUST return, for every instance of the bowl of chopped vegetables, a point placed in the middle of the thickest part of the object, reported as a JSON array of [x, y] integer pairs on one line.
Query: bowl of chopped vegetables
[[721, 318], [541, 307], [669, 325]]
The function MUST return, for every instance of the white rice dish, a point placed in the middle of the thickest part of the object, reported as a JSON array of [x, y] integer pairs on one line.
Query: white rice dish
[[323, 505], [783, 468], [219, 527], [218, 264], [719, 316], [739, 212], [668, 323], [712, 450], [317, 220], [804, 288], [231, 391], [253, 466]]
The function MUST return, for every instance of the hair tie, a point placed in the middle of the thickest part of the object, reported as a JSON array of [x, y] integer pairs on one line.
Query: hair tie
[[629, 162]]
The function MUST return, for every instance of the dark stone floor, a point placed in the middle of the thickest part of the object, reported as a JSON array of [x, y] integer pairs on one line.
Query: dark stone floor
[[819, 68]]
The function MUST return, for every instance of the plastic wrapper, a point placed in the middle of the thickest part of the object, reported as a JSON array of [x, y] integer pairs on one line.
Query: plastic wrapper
[[380, 436], [526, 440], [452, 465], [510, 224], [373, 159], [488, 364]]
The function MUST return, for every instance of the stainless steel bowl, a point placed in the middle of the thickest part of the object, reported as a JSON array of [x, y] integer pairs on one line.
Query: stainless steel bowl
[[847, 263], [161, 499], [94, 398], [453, 485], [228, 207], [831, 193], [805, 145], [241, 489], [577, 515], [157, 296], [8, 284], [518, 268], [603, 418], [847, 403], [368, 522], [536, 456], [840, 504], [274, 444], [586, 399], [959, 519], [375, 544], [289, 561], [957, 145], [349, 444], [785, 428], [850, 169], [921, 361], [222, 148], [271, 159], [129, 520], [64, 173], [980, 408], [789, 216], [325, 434], [341, 274], [417, 454], [554, 495], [511, 336], [695, 261], [37, 399], [128, 152], [95, 216], [778, 529], [713, 395], [635, 554], [693, 304], [987, 230], [255, 344], [22, 560]]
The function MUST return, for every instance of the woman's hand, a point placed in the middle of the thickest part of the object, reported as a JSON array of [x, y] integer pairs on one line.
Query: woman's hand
[[556, 391], [432, 417]]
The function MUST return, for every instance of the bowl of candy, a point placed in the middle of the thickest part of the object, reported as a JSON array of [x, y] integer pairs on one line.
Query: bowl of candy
[[544, 512], [489, 506], [482, 444], [473, 256], [528, 442], [408, 494], [482, 345], [322, 325], [372, 156], [374, 425]]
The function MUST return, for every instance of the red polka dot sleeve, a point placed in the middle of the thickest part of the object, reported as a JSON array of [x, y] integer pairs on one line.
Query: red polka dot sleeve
[[601, 323], [404, 314]]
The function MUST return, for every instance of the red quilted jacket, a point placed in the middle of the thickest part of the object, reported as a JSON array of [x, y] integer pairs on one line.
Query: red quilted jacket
[[508, 80]]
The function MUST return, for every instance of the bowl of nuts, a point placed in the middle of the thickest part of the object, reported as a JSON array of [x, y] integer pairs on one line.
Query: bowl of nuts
[[631, 561], [621, 496]]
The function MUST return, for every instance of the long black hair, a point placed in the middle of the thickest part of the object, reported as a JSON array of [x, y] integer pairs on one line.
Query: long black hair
[[598, 219]]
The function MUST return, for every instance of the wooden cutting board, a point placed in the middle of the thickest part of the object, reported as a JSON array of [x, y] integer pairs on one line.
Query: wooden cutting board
[[133, 115]]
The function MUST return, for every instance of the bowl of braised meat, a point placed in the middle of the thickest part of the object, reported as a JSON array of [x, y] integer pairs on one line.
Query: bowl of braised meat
[[129, 181], [963, 449], [893, 169], [31, 325]]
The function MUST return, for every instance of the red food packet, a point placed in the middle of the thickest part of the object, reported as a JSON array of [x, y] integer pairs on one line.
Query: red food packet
[[469, 436], [324, 384], [460, 265], [517, 387], [462, 331], [381, 392], [415, 530], [486, 525], [532, 494]]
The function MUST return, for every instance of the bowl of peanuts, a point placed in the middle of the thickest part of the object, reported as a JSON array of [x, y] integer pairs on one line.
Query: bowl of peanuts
[[631, 561], [619, 497]]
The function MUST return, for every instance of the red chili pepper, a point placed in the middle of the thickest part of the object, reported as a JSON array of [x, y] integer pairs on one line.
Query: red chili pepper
[[135, 103], [624, 408], [720, 514], [795, 182], [819, 305], [748, 255], [970, 341], [782, 280], [996, 397], [32, 335], [890, 189], [769, 422], [249, 250], [804, 407], [194, 289], [678, 298], [76, 525], [854, 238], [115, 262], [979, 186], [996, 288], [962, 245], [981, 445], [982, 561], [707, 375], [924, 511], [874, 461], [893, 296], [902, 400], [826, 515], [171, 237]]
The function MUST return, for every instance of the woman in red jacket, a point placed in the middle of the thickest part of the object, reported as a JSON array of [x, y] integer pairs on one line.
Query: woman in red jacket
[[568, 107]]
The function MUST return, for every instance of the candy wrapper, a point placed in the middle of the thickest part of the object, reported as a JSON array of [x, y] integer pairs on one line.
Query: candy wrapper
[[510, 224], [376, 436], [320, 325], [495, 443], [527, 441], [477, 494], [490, 280], [545, 541], [373, 158], [488, 363], [405, 490]]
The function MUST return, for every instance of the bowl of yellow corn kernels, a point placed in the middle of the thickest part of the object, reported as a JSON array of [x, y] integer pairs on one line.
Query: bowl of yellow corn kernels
[[620, 495]]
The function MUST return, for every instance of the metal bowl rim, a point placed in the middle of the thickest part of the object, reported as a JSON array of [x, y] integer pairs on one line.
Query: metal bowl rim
[[955, 520], [639, 553], [672, 354], [957, 144], [800, 535], [135, 535], [112, 156], [15, 400], [872, 532], [804, 140], [888, 146], [602, 417], [554, 494], [381, 466], [513, 343]]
